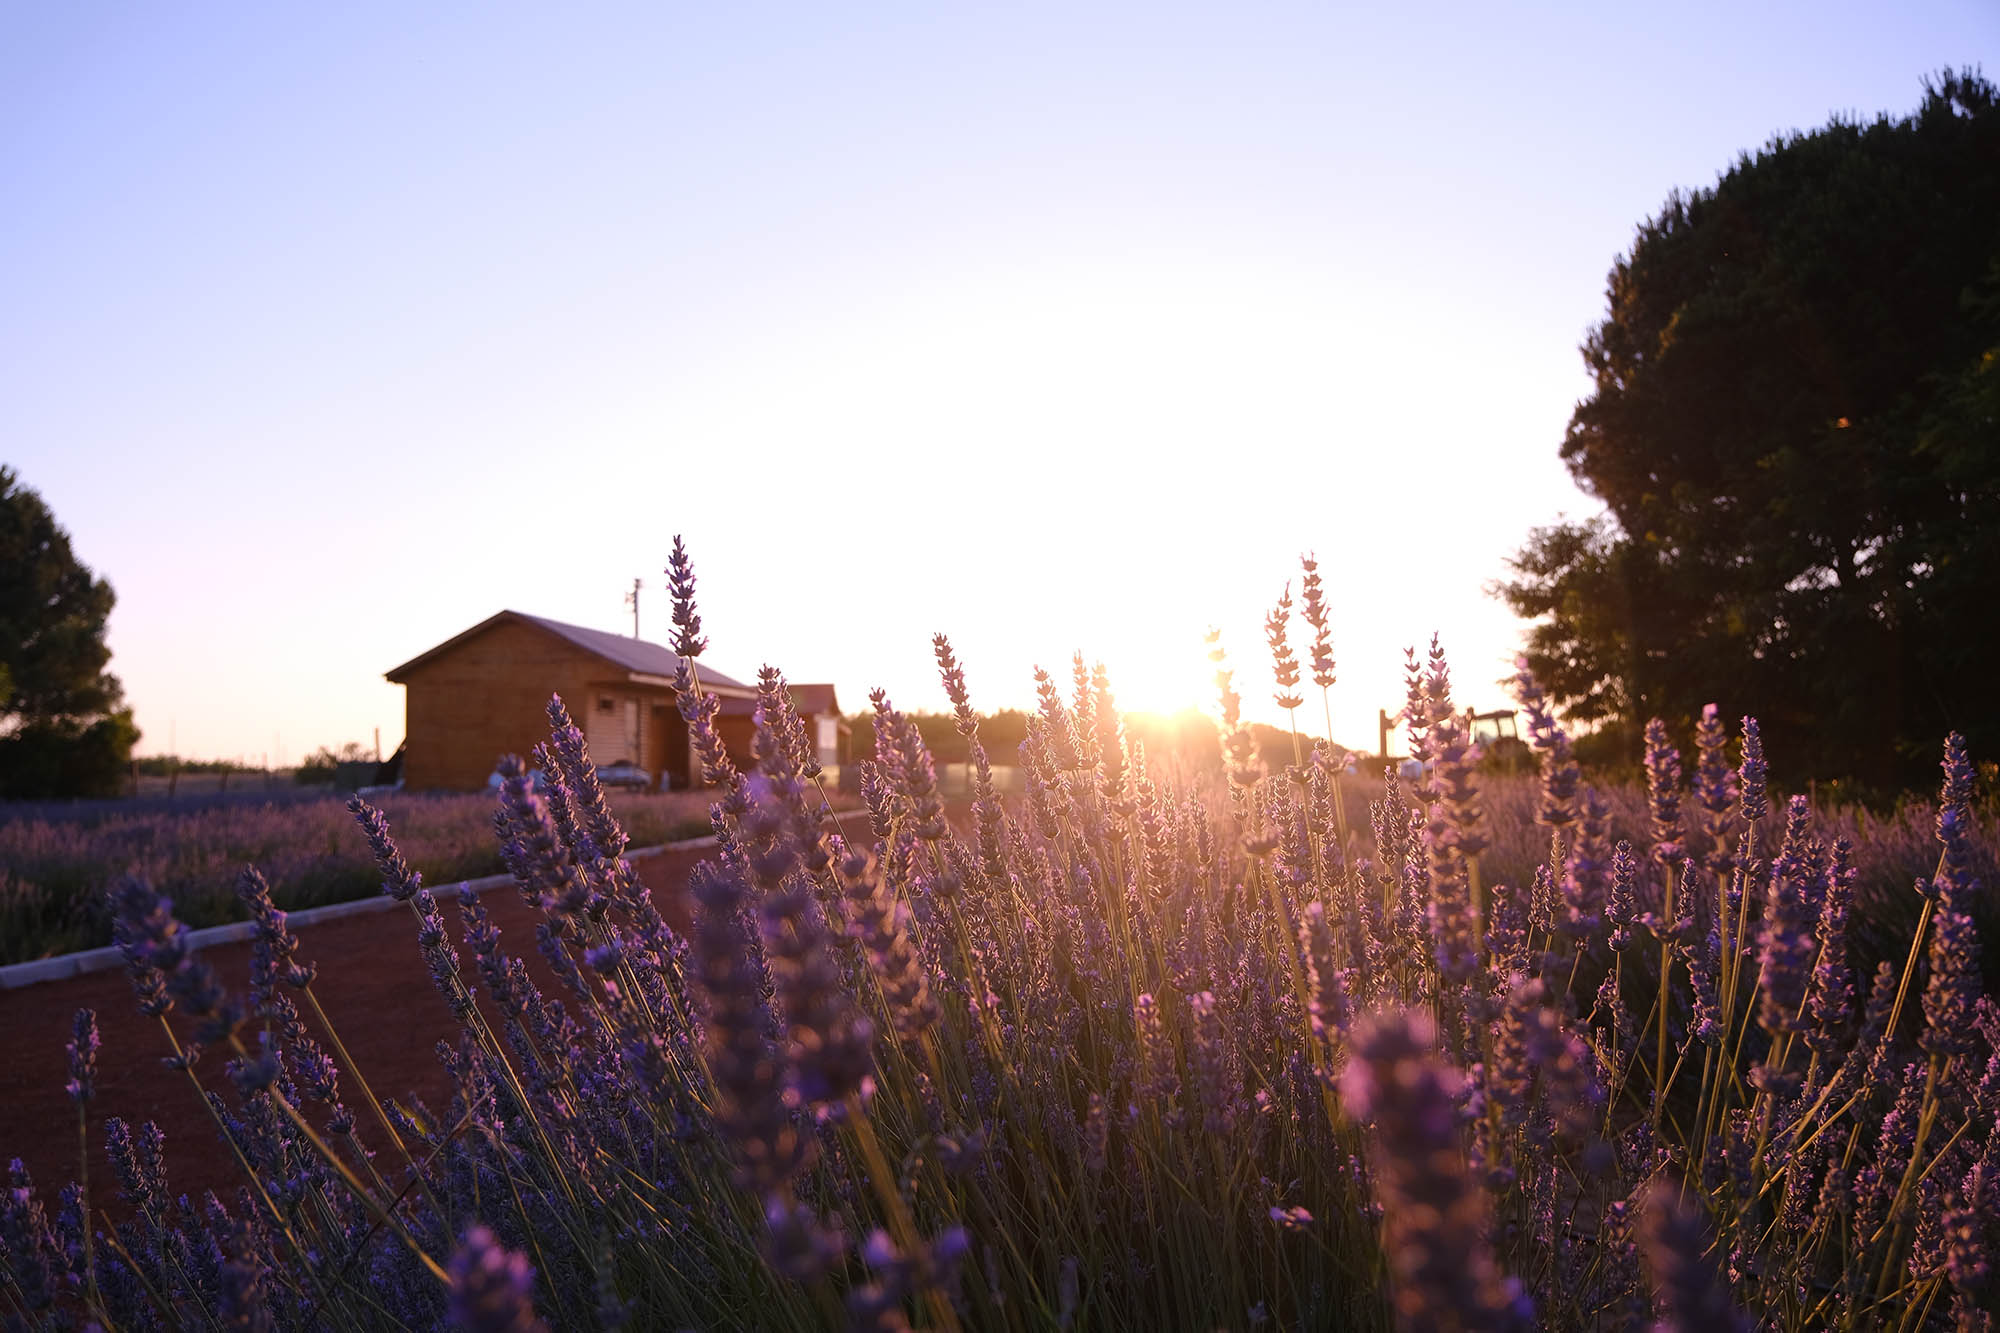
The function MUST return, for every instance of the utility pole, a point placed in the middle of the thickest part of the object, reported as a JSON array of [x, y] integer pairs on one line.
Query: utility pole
[[632, 600]]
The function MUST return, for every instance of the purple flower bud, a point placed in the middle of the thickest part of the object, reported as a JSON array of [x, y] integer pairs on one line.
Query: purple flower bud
[[1753, 772], [1437, 1220], [255, 895], [1715, 788], [1663, 792], [83, 1057], [1560, 774], [1830, 999], [1788, 944], [680, 583], [1314, 609], [1687, 1289], [1284, 663], [1624, 909], [1326, 981], [492, 1287], [1291, 1219]]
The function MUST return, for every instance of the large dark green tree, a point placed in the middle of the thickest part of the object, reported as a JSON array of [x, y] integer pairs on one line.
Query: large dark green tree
[[1795, 431], [64, 729]]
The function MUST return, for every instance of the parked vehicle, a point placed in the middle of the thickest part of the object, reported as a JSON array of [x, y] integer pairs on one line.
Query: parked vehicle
[[625, 774], [539, 784]]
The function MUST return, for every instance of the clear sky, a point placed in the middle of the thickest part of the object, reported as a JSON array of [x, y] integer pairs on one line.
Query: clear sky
[[330, 330]]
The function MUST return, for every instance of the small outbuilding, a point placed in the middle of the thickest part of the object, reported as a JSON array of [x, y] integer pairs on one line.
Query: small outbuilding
[[485, 692]]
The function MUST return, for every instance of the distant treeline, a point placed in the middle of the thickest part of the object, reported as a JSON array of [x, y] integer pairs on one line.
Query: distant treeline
[[165, 765], [1188, 737]]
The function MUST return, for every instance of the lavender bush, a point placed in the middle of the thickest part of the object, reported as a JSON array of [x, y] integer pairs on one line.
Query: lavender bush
[[1261, 1050], [53, 870]]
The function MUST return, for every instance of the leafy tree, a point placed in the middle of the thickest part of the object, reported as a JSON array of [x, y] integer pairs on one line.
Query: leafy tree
[[1795, 431], [64, 729], [322, 766]]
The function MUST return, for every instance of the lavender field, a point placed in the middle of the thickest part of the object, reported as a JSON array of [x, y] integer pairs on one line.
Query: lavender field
[[54, 870], [1249, 1050]]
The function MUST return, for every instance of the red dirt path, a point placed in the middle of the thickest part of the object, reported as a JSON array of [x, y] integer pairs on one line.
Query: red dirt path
[[372, 983]]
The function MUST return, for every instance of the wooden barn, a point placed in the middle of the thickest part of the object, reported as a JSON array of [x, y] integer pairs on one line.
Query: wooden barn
[[485, 692]]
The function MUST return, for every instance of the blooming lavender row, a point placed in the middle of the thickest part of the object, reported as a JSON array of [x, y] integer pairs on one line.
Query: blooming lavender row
[[1148, 1048]]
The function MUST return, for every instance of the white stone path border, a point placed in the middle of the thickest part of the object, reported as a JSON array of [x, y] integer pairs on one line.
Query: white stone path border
[[63, 966]]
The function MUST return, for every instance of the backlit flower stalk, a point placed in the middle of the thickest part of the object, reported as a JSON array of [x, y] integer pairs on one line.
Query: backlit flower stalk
[[1436, 1221]]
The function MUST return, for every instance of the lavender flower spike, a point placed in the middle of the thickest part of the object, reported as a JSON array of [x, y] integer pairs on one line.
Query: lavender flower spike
[[680, 583], [1753, 773], [491, 1287], [82, 1049], [398, 880], [1314, 609], [1284, 663], [1788, 943], [1687, 1289], [1436, 1217], [1955, 981], [1663, 790]]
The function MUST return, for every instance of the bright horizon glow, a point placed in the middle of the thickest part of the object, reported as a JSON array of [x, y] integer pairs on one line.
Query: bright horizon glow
[[329, 334]]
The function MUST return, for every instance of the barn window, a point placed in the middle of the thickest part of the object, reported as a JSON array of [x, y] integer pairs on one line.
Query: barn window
[[604, 704]]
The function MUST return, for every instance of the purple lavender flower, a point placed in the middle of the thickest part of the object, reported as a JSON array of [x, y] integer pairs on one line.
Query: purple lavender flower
[[799, 1243], [986, 808], [1956, 981], [82, 1050], [1560, 774], [1687, 1289], [1542, 1072], [1284, 663], [1699, 934], [1956, 792], [900, 748], [1788, 944], [1714, 787], [492, 1287], [699, 710], [1968, 1258], [1830, 996], [932, 1267], [1211, 1058], [1156, 1083], [138, 1161], [749, 1079], [255, 894], [1326, 981], [830, 1040], [1753, 773], [1663, 792], [439, 955], [881, 922], [1624, 909], [531, 847], [1314, 608], [140, 920], [579, 775], [398, 880], [27, 1244], [680, 583], [1585, 874], [242, 1301], [164, 966], [1239, 748], [1436, 1218]]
